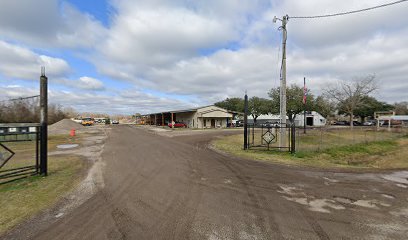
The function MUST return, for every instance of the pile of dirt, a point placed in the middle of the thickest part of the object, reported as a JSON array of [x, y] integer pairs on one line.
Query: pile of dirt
[[64, 126]]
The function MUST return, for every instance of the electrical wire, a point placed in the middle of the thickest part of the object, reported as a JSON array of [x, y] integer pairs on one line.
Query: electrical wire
[[350, 12], [20, 98]]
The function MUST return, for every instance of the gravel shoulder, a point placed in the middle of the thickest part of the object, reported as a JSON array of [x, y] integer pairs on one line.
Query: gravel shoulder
[[89, 150]]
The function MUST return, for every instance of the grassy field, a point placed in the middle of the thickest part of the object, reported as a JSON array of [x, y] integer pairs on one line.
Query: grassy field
[[332, 149], [23, 198]]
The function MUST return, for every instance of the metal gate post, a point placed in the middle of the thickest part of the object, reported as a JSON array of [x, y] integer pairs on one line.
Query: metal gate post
[[246, 122], [293, 140], [37, 148], [249, 137]]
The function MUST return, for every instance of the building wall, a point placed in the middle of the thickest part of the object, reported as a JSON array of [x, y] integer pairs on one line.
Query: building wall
[[219, 122], [218, 115], [187, 118], [200, 118], [318, 119]]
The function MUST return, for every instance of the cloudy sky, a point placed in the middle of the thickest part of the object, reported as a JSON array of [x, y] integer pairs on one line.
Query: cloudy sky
[[127, 56]]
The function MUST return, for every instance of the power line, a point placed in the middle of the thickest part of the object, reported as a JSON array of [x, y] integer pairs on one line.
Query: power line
[[350, 12], [20, 98]]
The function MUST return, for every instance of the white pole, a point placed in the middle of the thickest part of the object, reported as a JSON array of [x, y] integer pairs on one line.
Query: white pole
[[282, 141]]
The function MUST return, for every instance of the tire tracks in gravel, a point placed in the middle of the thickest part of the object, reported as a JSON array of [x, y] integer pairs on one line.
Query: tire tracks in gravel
[[258, 200]]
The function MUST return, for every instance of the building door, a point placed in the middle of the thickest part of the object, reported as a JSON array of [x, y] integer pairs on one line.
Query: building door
[[204, 122], [213, 123], [309, 121]]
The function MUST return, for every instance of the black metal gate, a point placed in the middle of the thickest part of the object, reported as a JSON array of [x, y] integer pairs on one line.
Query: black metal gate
[[267, 136], [11, 135]]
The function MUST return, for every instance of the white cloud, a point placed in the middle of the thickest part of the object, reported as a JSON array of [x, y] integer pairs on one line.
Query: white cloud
[[128, 101], [78, 30], [48, 23], [84, 83], [90, 83], [16, 91], [157, 45], [226, 73], [20, 62], [145, 36], [342, 29]]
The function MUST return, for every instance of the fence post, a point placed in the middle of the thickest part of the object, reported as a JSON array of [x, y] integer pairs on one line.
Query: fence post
[[43, 122], [293, 143], [246, 122], [37, 148]]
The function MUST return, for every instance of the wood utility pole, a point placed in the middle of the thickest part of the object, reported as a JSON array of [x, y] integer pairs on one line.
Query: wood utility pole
[[282, 139], [304, 102], [43, 122]]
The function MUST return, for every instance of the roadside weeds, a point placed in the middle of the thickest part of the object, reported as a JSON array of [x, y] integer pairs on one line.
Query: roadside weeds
[[386, 154], [68, 184]]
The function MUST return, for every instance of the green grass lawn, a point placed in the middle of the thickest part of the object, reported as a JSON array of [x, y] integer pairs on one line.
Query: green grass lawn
[[24, 198], [332, 149]]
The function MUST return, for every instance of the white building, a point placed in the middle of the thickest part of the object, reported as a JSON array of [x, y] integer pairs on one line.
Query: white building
[[313, 119], [393, 120], [201, 117]]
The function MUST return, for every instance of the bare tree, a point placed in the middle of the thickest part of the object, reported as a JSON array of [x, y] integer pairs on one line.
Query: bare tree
[[27, 111], [401, 108], [350, 95]]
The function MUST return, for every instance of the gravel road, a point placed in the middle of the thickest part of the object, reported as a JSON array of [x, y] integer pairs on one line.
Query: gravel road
[[161, 187]]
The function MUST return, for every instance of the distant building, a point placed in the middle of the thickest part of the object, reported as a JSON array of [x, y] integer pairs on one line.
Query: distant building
[[393, 120], [313, 119], [201, 117]]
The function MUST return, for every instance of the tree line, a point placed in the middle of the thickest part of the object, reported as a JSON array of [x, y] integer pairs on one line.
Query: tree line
[[352, 99], [28, 111]]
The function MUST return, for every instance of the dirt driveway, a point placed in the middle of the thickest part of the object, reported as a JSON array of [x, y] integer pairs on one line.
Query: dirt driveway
[[175, 187]]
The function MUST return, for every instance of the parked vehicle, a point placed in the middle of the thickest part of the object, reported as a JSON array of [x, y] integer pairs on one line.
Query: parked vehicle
[[115, 122], [341, 123], [347, 123], [177, 125], [88, 121], [239, 123], [77, 120], [270, 124], [356, 123], [370, 123], [102, 120]]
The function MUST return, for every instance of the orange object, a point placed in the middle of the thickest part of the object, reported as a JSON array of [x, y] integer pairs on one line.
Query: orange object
[[72, 133]]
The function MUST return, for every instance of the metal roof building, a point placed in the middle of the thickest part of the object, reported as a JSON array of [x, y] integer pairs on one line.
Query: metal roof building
[[200, 117]]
